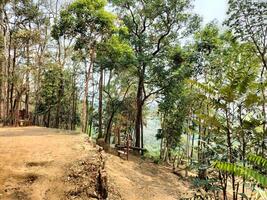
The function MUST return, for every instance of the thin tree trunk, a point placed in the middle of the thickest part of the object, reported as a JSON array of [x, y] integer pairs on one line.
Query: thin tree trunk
[[139, 109], [27, 81], [8, 79], [84, 108], [2, 60], [109, 126], [86, 88], [142, 133], [92, 106], [264, 137], [100, 99], [48, 118], [243, 147], [74, 100], [230, 151], [192, 148], [12, 85]]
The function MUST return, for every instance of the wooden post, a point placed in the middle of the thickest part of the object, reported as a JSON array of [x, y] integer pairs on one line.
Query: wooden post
[[119, 135], [127, 146]]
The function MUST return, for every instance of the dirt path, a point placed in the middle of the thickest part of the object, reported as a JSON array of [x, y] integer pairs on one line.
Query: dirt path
[[48, 164], [34, 162], [137, 179]]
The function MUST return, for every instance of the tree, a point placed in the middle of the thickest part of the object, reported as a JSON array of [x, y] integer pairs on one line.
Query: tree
[[229, 76], [247, 19], [116, 57], [87, 22], [152, 26], [2, 56]]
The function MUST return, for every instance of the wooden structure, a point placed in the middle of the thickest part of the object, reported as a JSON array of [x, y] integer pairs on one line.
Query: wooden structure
[[24, 119], [126, 147]]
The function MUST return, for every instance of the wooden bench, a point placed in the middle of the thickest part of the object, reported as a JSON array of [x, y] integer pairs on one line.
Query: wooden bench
[[24, 122], [121, 152], [122, 149]]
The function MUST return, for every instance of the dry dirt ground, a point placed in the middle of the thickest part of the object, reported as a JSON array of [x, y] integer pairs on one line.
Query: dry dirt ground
[[137, 179], [40, 163], [48, 164]]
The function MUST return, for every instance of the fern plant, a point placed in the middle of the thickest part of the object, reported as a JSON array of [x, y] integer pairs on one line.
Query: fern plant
[[248, 173]]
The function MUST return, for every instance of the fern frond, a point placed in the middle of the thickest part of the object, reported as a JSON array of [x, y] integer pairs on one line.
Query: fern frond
[[208, 121], [258, 160], [241, 171], [205, 87]]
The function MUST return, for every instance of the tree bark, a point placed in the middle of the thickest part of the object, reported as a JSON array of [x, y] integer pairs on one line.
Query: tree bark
[[12, 86], [139, 108], [74, 100], [85, 98], [92, 107], [8, 80], [230, 151], [100, 99], [2, 60], [27, 80], [109, 126]]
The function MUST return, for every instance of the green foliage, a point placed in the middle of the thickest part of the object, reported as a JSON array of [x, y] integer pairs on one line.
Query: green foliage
[[209, 92], [28, 9], [153, 155], [85, 20], [244, 171], [246, 19], [115, 54], [257, 160], [50, 86]]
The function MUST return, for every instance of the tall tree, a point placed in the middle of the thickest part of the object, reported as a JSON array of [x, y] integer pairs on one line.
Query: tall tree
[[87, 22], [247, 19], [153, 26]]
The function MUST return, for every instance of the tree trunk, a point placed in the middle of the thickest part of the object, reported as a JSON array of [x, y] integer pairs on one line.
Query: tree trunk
[[15, 109], [12, 87], [100, 135], [142, 134], [264, 137], [74, 100], [27, 80], [84, 108], [2, 60], [59, 97], [192, 149], [139, 109], [230, 151], [109, 126], [92, 107], [48, 118], [8, 80]]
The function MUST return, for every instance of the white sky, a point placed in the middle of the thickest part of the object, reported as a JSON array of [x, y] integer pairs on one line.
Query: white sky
[[208, 9], [211, 9]]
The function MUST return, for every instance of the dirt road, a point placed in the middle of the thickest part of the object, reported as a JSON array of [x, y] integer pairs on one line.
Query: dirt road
[[34, 162], [48, 164]]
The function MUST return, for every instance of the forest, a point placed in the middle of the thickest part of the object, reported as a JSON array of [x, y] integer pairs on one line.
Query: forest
[[105, 67]]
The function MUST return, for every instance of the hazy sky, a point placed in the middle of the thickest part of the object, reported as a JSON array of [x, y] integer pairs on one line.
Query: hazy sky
[[208, 9], [211, 9]]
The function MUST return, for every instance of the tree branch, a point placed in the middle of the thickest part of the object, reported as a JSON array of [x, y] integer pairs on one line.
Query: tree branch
[[152, 93]]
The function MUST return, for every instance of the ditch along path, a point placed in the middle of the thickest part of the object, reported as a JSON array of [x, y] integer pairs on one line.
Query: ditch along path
[[48, 164]]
